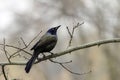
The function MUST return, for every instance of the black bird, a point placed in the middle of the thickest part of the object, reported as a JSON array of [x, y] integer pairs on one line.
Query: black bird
[[45, 44]]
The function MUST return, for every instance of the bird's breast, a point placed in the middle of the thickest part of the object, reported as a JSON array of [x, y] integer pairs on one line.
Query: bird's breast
[[46, 44]]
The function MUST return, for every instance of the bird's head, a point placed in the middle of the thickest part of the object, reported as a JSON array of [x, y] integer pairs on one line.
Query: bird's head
[[53, 30]]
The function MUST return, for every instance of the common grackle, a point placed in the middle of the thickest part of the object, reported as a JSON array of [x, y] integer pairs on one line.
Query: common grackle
[[45, 44]]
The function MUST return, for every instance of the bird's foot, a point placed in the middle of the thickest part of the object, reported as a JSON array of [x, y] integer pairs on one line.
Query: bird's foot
[[43, 55], [51, 53]]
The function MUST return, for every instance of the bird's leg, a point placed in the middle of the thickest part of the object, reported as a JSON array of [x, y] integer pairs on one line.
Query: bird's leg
[[51, 53]]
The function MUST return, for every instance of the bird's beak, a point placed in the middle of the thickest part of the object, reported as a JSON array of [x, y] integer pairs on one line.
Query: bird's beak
[[58, 26]]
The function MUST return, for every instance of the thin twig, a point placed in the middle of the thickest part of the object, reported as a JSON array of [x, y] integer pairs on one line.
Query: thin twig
[[79, 24], [3, 70], [16, 55], [69, 32], [25, 58], [74, 72], [60, 62], [67, 68], [72, 33], [34, 38], [23, 41], [19, 50], [5, 51]]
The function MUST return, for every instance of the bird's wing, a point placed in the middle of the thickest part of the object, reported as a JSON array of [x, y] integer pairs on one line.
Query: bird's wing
[[45, 40], [35, 45]]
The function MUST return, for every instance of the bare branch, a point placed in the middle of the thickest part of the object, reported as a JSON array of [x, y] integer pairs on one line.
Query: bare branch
[[49, 57], [73, 30], [60, 62], [79, 24], [75, 72], [13, 63], [69, 32], [67, 68], [23, 42], [34, 38], [5, 51], [100, 42], [3, 70], [19, 50]]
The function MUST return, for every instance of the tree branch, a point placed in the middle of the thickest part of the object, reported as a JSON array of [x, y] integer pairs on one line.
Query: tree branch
[[74, 72], [26, 45], [61, 64], [23, 42], [97, 43], [4, 48], [72, 33], [3, 70]]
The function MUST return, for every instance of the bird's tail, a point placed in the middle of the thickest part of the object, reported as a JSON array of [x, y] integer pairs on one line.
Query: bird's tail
[[30, 63]]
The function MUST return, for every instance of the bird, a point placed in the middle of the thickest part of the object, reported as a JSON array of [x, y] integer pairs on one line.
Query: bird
[[46, 43]]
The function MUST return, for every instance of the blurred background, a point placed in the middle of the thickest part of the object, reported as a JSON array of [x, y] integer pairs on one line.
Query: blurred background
[[26, 18]]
